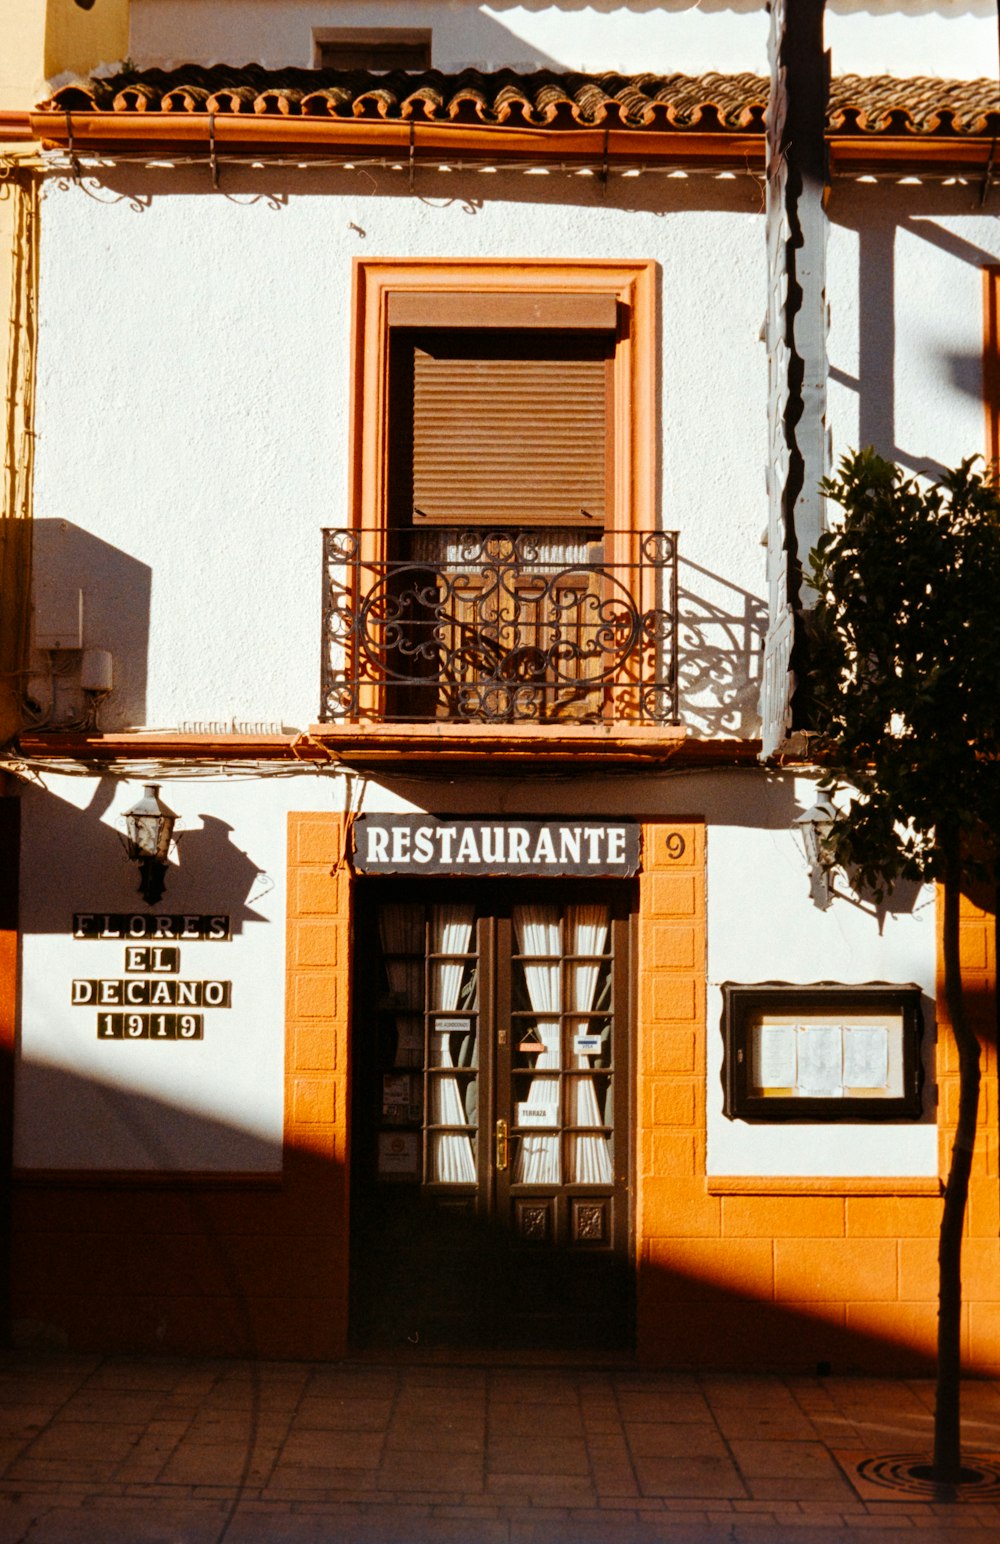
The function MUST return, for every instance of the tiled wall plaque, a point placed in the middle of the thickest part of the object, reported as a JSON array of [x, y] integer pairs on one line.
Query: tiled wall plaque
[[150, 1000]]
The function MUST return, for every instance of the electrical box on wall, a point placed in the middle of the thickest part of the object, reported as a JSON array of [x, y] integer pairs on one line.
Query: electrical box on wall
[[58, 617], [96, 671]]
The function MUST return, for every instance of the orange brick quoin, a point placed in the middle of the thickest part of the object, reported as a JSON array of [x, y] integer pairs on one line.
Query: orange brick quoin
[[672, 1206], [316, 1071]]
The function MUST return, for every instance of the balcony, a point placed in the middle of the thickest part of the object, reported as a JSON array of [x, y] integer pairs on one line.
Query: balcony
[[477, 640]]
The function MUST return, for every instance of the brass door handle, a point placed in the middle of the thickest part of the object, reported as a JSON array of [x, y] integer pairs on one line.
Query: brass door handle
[[501, 1145]]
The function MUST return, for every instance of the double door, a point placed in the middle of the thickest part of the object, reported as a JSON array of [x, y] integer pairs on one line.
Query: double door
[[490, 1146]]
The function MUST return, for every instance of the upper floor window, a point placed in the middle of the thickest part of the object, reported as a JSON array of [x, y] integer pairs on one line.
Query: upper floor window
[[501, 565], [372, 48]]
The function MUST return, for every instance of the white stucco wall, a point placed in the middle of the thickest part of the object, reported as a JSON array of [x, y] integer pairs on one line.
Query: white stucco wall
[[209, 1104], [193, 409], [868, 37], [217, 1104], [948, 38], [906, 301], [679, 35], [193, 404], [763, 926]]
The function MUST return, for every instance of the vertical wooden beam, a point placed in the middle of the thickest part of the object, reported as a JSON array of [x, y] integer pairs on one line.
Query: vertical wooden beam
[[10, 825], [19, 287], [991, 366], [796, 343]]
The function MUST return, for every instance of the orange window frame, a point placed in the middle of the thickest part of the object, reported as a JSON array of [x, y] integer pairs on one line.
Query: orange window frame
[[465, 283], [632, 284]]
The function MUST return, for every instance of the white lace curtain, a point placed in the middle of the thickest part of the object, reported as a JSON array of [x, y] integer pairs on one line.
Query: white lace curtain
[[452, 1161], [589, 1159], [556, 548], [536, 929]]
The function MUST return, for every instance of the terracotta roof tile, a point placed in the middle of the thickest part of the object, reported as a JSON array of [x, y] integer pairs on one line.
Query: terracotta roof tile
[[859, 105], [542, 99], [880, 104]]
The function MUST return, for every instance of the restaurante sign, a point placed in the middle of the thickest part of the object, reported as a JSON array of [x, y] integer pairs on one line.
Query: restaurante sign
[[427, 844]]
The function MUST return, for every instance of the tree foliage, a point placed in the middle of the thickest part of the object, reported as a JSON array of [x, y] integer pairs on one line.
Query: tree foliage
[[905, 666], [905, 687]]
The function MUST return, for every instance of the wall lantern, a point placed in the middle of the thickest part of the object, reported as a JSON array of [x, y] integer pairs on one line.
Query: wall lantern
[[149, 826], [814, 829]]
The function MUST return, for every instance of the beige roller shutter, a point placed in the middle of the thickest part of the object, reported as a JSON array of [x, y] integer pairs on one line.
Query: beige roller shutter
[[500, 441]]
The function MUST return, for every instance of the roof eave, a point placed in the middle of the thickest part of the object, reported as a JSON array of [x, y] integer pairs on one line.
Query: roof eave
[[257, 134], [855, 154]]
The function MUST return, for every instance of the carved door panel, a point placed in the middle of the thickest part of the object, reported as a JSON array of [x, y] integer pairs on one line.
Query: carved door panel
[[491, 1135]]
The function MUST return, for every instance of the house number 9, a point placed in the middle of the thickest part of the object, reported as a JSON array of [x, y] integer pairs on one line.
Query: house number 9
[[676, 845]]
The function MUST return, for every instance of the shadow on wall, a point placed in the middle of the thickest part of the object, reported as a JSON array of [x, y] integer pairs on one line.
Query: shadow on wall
[[273, 187], [256, 1266], [720, 639], [133, 1129], [880, 215], [79, 865], [116, 594]]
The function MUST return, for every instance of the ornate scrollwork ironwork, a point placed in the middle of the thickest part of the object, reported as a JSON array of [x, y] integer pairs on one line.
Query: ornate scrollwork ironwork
[[500, 627]]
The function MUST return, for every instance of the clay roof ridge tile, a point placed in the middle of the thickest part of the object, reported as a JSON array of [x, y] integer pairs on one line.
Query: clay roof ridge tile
[[86, 96], [426, 101], [136, 98], [232, 99], [327, 102], [376, 102], [285, 101], [185, 99]]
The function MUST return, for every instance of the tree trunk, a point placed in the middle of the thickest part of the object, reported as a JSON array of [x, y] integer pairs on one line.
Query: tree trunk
[[947, 1431]]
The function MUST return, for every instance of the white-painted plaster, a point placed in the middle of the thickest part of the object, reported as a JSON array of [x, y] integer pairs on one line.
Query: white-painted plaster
[[680, 35], [198, 467], [213, 1104], [763, 926], [216, 327], [905, 285], [217, 1104], [868, 37]]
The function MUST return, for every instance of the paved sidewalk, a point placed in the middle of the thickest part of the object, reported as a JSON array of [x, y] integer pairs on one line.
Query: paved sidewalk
[[110, 1450]]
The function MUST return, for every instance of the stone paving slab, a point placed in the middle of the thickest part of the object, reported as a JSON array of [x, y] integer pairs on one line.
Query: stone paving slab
[[123, 1450]]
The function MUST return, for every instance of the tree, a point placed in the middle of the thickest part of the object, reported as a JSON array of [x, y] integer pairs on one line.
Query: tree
[[904, 673]]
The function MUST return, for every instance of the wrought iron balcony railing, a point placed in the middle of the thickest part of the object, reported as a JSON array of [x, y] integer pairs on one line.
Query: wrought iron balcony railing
[[500, 627]]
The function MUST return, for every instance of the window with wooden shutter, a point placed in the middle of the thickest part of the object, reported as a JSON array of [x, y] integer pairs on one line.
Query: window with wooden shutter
[[501, 407], [501, 427], [502, 487], [371, 48]]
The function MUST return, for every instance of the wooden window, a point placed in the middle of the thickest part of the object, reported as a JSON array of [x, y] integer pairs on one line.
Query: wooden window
[[513, 401], [822, 1053], [378, 48], [598, 311], [991, 367], [499, 428]]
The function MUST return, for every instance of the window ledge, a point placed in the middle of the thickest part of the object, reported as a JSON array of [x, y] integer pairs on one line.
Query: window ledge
[[370, 742], [822, 1184]]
